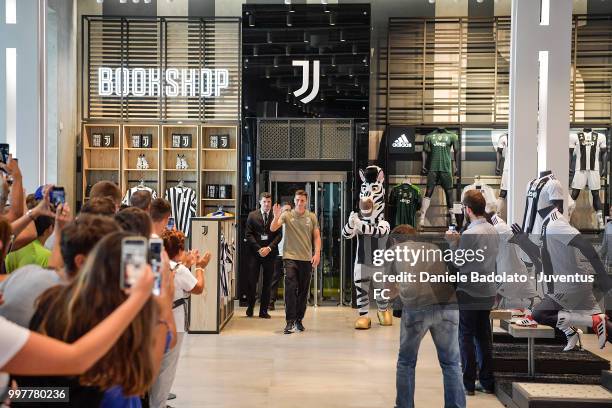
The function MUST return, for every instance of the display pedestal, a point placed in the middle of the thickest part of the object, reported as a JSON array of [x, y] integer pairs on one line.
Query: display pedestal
[[210, 311]]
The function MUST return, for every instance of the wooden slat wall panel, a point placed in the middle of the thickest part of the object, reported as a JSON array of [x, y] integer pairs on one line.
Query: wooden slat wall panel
[[182, 43], [456, 70]]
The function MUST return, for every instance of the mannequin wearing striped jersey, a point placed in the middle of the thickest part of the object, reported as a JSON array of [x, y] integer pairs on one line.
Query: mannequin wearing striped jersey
[[590, 150], [371, 229]]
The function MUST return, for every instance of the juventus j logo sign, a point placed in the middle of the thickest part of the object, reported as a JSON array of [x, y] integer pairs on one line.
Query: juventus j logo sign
[[306, 80]]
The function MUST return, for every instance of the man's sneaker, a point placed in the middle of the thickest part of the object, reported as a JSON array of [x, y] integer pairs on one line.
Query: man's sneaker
[[139, 162], [299, 326], [289, 328], [179, 162], [480, 388], [573, 338], [599, 327], [469, 392], [184, 163], [145, 163]]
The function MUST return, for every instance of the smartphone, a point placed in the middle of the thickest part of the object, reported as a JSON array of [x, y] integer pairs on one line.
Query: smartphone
[[170, 225], [155, 249], [57, 196], [133, 254], [452, 227], [4, 152]]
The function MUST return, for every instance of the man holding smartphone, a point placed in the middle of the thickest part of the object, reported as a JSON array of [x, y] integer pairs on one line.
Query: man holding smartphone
[[301, 232]]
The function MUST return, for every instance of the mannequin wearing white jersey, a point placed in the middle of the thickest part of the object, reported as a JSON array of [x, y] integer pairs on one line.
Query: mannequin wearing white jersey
[[567, 304], [589, 149]]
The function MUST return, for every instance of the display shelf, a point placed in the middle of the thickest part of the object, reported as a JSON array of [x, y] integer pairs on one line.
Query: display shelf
[[179, 142], [219, 165], [139, 140], [101, 160]]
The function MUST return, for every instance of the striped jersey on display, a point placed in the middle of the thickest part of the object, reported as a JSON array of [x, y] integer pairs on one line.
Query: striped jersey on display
[[128, 194], [540, 194], [587, 146], [183, 203]]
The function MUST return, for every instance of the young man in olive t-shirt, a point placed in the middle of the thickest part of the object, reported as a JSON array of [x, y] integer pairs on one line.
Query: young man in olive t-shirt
[[301, 231]]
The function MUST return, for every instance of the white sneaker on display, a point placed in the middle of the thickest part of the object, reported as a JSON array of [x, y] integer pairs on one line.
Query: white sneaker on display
[[599, 327], [184, 164], [573, 338], [139, 162], [179, 163], [145, 163]]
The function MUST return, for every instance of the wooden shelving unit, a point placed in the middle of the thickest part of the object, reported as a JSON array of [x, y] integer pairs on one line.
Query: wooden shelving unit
[[170, 175], [100, 163], [131, 176], [219, 167]]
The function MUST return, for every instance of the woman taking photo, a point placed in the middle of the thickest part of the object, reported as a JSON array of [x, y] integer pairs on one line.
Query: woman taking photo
[[68, 312]]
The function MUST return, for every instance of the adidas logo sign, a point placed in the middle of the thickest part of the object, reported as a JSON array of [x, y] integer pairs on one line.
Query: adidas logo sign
[[402, 141]]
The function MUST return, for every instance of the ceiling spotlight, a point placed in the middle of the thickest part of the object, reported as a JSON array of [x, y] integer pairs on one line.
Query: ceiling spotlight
[[269, 37], [267, 73], [432, 1], [289, 20], [99, 1], [365, 61], [122, 1], [342, 39], [354, 49], [306, 37], [288, 2], [287, 50], [322, 97], [147, 1], [255, 51], [326, 9], [350, 72], [135, 1], [332, 19], [323, 71], [251, 20], [338, 89], [479, 1], [356, 81], [275, 62], [323, 1], [333, 61]]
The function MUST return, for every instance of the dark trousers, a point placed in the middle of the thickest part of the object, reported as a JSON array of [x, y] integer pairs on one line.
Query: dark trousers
[[276, 279], [475, 331], [297, 283], [257, 263]]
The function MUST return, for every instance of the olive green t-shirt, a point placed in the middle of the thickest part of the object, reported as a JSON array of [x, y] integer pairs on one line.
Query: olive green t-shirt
[[298, 234]]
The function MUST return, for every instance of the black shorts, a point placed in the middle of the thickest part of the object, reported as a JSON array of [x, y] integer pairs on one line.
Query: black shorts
[[441, 178]]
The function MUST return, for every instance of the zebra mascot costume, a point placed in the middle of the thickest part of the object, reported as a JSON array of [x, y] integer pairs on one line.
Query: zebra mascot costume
[[371, 230]]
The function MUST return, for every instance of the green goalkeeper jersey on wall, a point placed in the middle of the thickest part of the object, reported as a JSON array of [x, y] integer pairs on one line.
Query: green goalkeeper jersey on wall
[[404, 202], [438, 144]]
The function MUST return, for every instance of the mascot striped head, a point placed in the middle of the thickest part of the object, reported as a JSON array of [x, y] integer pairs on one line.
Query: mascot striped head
[[372, 187]]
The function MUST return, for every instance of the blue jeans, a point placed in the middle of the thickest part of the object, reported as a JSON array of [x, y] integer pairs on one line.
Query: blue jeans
[[442, 321]]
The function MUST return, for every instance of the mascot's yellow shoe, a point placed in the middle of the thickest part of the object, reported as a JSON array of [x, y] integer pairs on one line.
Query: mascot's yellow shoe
[[385, 318], [363, 323]]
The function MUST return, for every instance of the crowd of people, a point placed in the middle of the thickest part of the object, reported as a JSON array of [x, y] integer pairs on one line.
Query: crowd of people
[[66, 320]]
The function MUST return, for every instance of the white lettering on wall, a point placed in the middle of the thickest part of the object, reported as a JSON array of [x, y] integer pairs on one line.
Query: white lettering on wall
[[141, 82]]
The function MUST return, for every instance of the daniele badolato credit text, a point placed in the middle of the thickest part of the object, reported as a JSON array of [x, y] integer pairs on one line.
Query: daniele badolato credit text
[[409, 259]]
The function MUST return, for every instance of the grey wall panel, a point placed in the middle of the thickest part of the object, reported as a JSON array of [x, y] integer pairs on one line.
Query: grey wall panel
[[199, 8], [116, 8], [599, 7], [484, 9]]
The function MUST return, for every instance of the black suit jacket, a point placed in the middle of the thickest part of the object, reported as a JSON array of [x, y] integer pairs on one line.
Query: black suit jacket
[[255, 228]]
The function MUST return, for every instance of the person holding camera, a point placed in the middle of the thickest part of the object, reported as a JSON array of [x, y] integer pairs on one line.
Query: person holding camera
[[475, 298]]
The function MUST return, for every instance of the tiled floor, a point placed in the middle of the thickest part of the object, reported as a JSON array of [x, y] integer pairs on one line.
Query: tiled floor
[[252, 364]]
